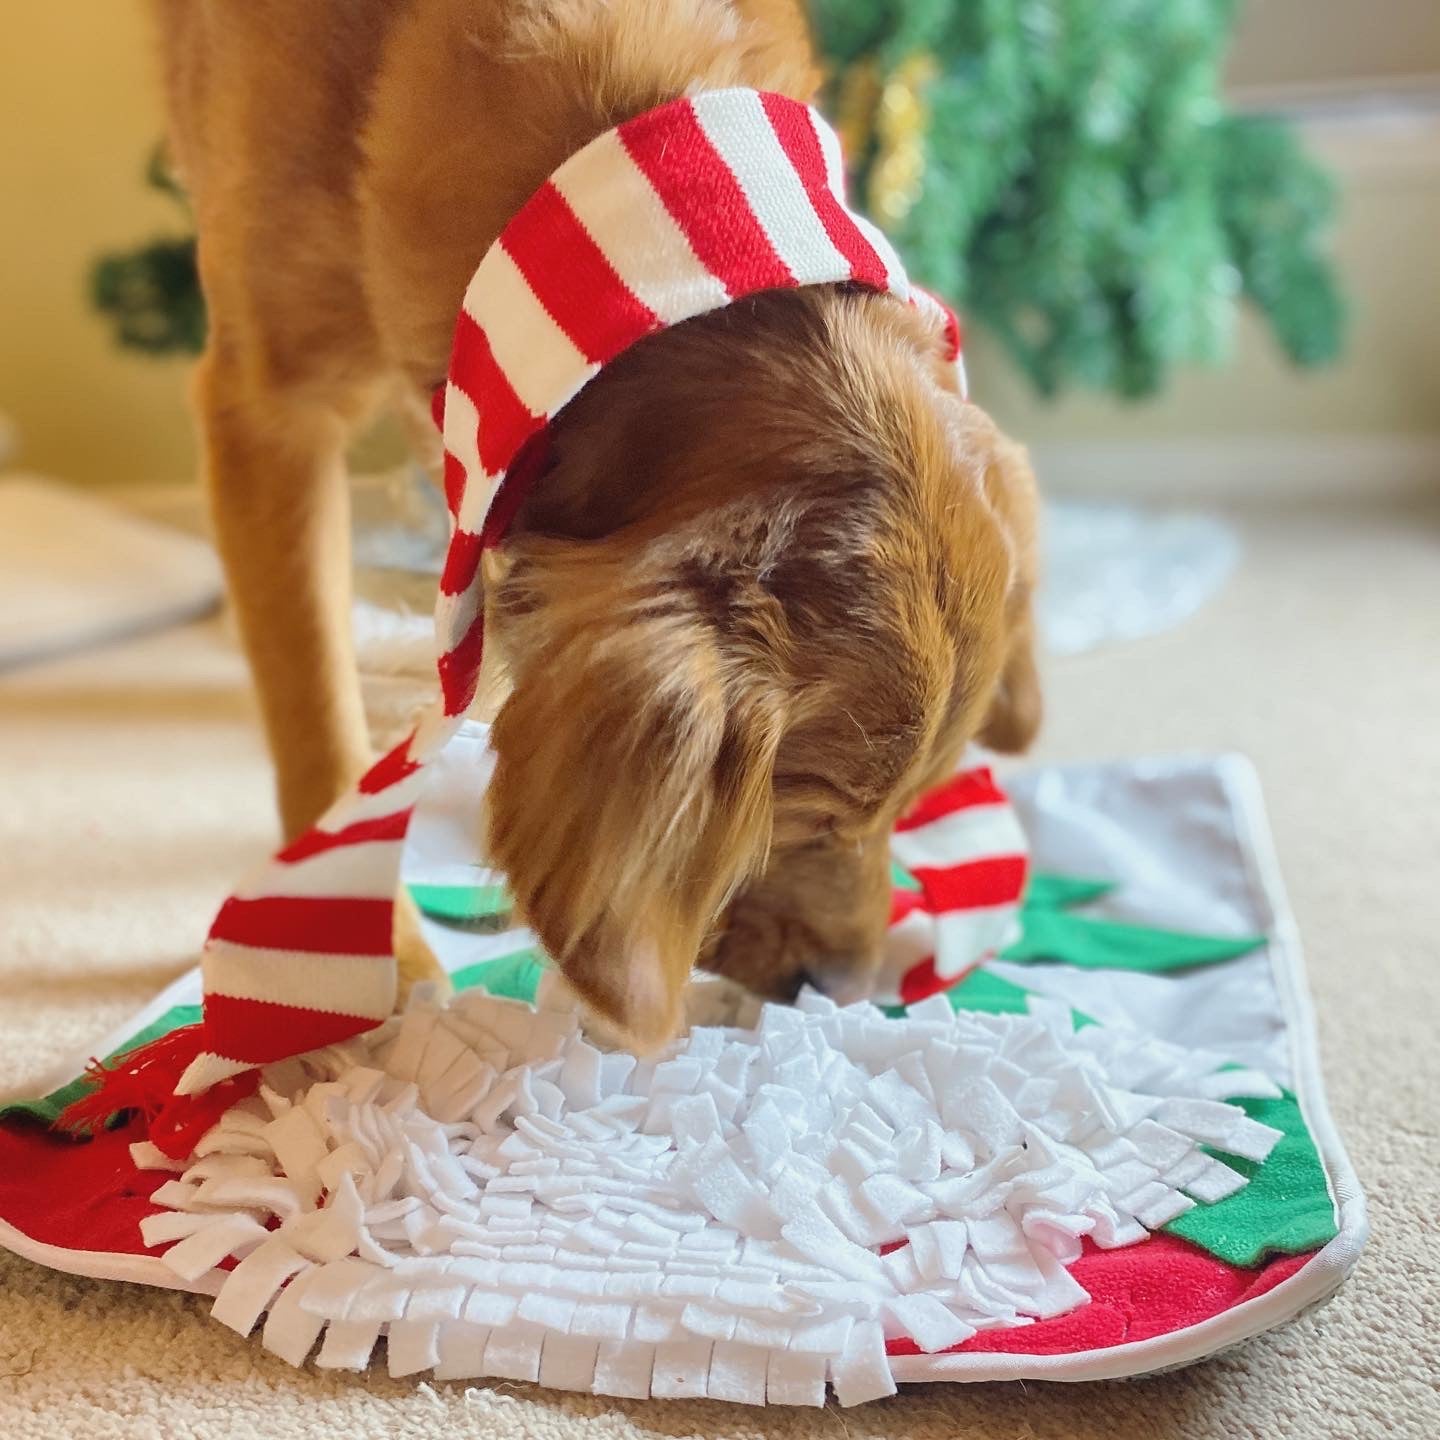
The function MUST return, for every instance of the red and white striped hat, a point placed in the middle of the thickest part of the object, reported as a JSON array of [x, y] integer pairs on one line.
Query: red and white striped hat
[[675, 213]]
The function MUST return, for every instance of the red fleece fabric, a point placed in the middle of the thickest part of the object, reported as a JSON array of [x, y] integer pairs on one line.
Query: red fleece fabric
[[1159, 1286], [80, 1195]]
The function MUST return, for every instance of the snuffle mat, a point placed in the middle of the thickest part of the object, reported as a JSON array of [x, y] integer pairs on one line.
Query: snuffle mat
[[1105, 1151]]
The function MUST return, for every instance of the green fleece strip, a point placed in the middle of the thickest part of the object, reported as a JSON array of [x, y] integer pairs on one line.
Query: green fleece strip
[[462, 904], [981, 990], [902, 879], [512, 977], [1055, 936], [1055, 892], [1285, 1209]]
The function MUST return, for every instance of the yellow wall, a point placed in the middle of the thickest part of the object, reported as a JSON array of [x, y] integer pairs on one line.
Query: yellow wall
[[79, 111]]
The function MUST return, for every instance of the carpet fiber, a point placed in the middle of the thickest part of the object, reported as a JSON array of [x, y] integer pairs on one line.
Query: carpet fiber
[[133, 790]]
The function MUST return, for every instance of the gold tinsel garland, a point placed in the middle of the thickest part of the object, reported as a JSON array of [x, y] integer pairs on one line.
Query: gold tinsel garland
[[886, 119]]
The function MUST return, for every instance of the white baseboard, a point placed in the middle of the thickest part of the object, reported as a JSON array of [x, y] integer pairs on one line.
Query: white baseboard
[[1276, 469]]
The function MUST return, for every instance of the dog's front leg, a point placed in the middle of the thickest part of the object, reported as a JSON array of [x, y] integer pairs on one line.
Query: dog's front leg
[[280, 508]]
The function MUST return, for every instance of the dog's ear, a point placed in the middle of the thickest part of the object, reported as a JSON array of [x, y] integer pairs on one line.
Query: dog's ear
[[1016, 710], [632, 786], [1013, 719]]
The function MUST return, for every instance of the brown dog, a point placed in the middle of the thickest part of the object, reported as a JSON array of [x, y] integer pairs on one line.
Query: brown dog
[[778, 576]]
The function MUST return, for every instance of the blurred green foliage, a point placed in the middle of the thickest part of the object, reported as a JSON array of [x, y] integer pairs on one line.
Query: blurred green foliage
[[1086, 195], [151, 295]]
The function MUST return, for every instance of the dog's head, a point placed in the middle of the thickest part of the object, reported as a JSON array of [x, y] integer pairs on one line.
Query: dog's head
[[777, 576]]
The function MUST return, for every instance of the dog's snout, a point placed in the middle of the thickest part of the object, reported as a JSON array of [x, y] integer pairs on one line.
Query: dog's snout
[[843, 981]]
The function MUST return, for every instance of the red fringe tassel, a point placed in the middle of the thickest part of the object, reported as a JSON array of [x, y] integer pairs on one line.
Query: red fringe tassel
[[145, 1079]]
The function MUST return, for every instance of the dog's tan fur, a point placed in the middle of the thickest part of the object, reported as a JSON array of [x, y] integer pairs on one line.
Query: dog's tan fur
[[777, 576]]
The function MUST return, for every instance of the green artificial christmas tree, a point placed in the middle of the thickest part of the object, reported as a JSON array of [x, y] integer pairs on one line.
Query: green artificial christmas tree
[[1064, 170]]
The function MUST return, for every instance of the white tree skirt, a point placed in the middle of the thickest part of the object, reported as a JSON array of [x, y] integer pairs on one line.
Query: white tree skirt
[[750, 1216], [1118, 572]]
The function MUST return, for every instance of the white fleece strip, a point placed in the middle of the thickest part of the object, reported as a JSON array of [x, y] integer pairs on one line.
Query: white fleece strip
[[621, 212], [497, 1196]]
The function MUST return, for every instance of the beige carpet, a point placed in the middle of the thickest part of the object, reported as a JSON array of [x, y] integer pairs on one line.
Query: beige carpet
[[132, 790]]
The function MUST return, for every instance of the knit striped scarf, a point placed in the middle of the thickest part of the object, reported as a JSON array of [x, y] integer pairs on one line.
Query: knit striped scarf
[[673, 214]]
